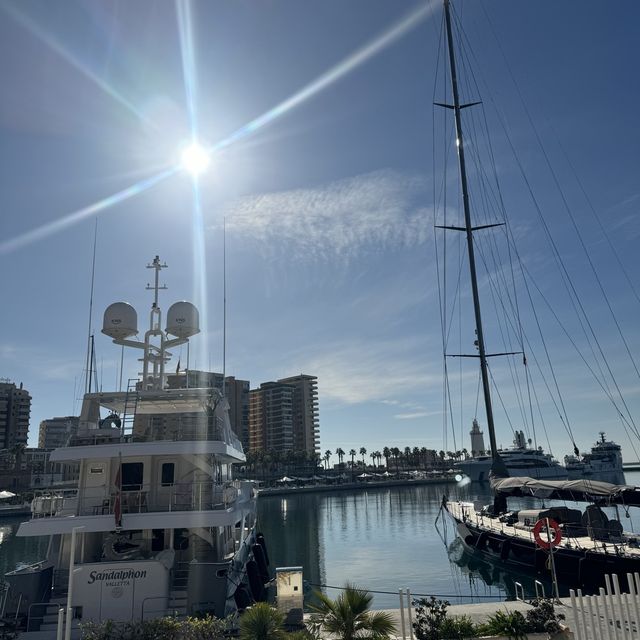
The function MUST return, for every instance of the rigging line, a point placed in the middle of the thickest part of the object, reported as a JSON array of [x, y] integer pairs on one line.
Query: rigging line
[[562, 270], [526, 340], [475, 415], [566, 279], [577, 349], [595, 214], [542, 420], [506, 342], [569, 213], [504, 408], [87, 383], [558, 257], [583, 245]]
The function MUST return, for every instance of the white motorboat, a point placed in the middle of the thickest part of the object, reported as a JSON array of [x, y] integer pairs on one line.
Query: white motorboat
[[603, 463], [157, 524]]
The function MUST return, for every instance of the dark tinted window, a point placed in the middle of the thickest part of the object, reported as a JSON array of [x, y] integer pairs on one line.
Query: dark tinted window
[[132, 476], [167, 474]]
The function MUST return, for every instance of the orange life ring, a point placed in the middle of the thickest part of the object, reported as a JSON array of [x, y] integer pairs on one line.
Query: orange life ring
[[554, 527]]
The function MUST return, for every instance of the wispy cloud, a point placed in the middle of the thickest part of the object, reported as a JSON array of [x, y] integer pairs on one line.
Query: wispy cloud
[[336, 220], [358, 372], [416, 414]]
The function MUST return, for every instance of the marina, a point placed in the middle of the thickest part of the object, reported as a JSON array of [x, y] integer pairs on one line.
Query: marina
[[210, 493]]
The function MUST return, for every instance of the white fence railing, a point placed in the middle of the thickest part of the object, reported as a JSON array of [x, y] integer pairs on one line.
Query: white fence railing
[[610, 615]]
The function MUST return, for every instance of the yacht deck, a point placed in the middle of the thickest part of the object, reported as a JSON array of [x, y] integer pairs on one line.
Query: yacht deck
[[465, 512]]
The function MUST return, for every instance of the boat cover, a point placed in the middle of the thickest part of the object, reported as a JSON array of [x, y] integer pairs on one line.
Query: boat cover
[[577, 490]]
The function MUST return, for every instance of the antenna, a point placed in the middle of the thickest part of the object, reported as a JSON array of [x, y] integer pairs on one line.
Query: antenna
[[224, 306], [87, 379]]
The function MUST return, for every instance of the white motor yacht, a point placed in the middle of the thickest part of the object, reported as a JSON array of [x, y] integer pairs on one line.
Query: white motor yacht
[[521, 460], [603, 463], [157, 525]]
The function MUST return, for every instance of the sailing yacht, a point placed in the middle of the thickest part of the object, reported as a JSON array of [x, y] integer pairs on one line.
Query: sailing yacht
[[583, 546], [157, 525]]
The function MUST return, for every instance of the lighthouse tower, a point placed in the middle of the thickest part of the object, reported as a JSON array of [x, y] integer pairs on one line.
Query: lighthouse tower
[[477, 440]]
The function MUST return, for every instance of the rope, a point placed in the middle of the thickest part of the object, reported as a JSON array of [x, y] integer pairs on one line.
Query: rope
[[395, 593]]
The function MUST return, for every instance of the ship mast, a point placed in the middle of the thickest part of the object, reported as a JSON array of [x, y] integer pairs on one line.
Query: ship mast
[[468, 229]]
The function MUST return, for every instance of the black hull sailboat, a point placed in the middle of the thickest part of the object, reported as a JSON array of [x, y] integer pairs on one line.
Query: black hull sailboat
[[586, 546], [592, 545]]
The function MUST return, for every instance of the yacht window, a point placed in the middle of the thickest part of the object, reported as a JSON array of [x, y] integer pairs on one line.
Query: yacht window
[[168, 469], [132, 473]]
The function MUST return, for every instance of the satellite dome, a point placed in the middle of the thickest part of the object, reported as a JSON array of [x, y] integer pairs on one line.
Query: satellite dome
[[183, 320], [120, 321]]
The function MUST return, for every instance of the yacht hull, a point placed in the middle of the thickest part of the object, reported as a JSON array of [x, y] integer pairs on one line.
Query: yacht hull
[[575, 568]]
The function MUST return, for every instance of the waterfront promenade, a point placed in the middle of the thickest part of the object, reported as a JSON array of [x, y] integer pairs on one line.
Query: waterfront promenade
[[357, 486]]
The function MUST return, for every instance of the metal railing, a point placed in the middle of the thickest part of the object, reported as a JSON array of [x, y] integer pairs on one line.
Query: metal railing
[[179, 496]]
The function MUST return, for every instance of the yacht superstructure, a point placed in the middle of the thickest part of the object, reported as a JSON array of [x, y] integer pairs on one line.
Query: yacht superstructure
[[603, 463], [521, 460], [157, 524]]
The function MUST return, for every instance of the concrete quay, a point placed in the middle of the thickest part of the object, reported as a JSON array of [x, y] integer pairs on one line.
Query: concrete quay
[[358, 486]]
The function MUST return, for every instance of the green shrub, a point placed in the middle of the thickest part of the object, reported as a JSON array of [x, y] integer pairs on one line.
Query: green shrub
[[349, 616], [509, 623], [430, 614], [543, 617], [207, 628], [458, 628], [262, 622]]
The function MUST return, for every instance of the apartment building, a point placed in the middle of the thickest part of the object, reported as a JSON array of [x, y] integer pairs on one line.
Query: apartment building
[[15, 410], [283, 415]]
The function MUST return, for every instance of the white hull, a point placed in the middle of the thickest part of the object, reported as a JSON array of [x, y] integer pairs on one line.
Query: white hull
[[478, 471]]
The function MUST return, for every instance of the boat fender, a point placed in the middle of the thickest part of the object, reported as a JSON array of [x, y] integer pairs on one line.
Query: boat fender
[[504, 549], [260, 540], [481, 541], [540, 560], [255, 581], [258, 556], [554, 529], [242, 598]]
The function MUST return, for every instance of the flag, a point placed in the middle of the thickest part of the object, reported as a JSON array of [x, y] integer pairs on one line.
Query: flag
[[117, 505], [178, 367]]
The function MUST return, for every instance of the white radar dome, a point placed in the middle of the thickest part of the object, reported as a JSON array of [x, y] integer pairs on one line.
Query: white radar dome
[[183, 320], [120, 321]]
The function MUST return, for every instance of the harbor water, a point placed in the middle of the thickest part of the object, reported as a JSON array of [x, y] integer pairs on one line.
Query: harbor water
[[378, 538]]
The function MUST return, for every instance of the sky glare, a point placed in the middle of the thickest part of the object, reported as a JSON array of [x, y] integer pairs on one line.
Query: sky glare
[[323, 170]]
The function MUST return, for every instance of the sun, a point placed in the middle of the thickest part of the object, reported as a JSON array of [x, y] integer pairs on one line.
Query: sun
[[195, 159]]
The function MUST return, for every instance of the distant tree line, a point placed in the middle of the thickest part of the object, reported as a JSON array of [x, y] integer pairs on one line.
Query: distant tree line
[[395, 459]]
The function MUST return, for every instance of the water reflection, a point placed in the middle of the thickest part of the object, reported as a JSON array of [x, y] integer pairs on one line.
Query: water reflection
[[16, 551], [382, 539]]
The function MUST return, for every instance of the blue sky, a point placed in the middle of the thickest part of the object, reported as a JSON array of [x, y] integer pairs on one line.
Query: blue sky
[[328, 199]]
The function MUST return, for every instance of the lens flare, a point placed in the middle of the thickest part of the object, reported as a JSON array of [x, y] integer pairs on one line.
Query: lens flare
[[195, 159]]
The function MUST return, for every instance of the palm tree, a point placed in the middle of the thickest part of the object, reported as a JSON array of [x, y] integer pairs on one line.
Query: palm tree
[[363, 453], [386, 452], [348, 616], [373, 455], [327, 457], [395, 452], [262, 622], [340, 453]]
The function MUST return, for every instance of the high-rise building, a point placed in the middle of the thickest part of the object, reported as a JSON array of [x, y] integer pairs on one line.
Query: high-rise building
[[15, 409], [306, 428], [283, 415], [55, 432], [271, 417], [236, 392]]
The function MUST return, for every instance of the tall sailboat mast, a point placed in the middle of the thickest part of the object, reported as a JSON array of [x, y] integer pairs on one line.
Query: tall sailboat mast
[[468, 228]]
